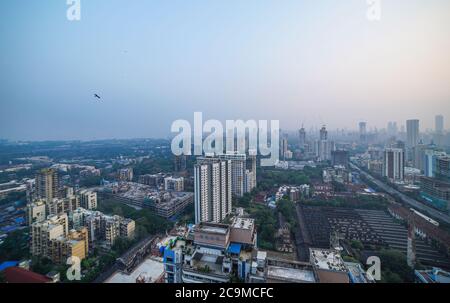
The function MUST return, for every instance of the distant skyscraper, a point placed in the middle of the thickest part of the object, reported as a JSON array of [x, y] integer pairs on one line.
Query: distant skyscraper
[[412, 133], [323, 133], [302, 138], [363, 132], [439, 124], [47, 185], [392, 129], [394, 164], [252, 157], [323, 147], [212, 189], [284, 147]]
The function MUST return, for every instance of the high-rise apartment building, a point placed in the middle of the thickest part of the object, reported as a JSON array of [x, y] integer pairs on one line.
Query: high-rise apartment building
[[302, 138], [412, 133], [394, 164], [323, 133], [56, 207], [392, 129], [238, 167], [429, 163], [212, 189], [252, 158], [42, 233], [439, 124], [249, 181], [74, 245], [284, 148], [47, 185], [88, 199], [36, 212], [179, 163], [323, 147], [418, 154], [363, 132]]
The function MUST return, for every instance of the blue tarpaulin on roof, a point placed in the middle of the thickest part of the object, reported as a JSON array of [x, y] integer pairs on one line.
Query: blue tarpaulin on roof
[[19, 220], [234, 248], [8, 229], [7, 264]]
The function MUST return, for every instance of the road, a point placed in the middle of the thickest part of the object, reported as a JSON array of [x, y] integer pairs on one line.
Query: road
[[413, 203]]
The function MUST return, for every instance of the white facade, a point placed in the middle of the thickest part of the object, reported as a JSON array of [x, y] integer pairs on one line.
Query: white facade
[[394, 164], [238, 164], [88, 199], [212, 189]]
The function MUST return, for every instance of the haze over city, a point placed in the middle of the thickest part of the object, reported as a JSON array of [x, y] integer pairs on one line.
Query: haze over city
[[152, 62], [248, 145]]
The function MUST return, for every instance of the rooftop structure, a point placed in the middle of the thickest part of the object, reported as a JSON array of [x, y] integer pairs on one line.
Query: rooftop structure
[[150, 271], [212, 234], [289, 272], [327, 259], [243, 231]]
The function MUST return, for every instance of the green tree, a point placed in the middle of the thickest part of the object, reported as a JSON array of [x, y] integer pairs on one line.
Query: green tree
[[394, 266], [15, 246]]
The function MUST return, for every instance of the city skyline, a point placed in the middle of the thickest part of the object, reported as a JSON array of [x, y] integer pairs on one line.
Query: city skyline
[[310, 131], [152, 63]]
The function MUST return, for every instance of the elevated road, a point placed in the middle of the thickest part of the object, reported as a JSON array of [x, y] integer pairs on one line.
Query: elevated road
[[412, 202]]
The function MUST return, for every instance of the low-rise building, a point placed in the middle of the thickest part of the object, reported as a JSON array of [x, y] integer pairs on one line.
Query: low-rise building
[[329, 266], [174, 184]]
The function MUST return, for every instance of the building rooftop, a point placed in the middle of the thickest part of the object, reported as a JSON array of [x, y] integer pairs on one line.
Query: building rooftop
[[261, 255], [290, 274], [211, 264], [327, 259], [151, 270], [213, 228], [21, 275], [243, 223]]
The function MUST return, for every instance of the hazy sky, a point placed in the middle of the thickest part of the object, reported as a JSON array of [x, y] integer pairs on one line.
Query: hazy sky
[[153, 61]]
